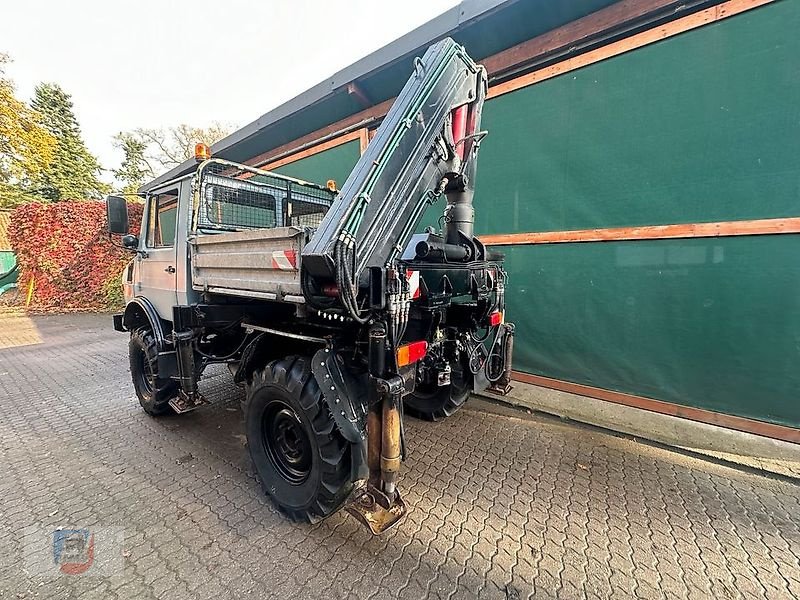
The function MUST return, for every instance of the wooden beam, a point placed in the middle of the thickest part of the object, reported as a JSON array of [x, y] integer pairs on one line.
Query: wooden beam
[[693, 21], [779, 432], [573, 34], [648, 232], [358, 134], [359, 94], [365, 116]]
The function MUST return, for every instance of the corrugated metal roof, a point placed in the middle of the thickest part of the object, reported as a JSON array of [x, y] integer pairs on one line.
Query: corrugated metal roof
[[484, 27]]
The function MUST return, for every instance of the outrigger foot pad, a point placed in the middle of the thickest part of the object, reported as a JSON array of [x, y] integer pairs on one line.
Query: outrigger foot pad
[[183, 403], [375, 510]]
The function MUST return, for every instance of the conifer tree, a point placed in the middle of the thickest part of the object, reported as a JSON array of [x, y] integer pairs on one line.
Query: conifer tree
[[135, 168], [74, 172]]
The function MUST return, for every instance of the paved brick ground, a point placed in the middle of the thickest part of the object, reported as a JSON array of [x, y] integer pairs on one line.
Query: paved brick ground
[[500, 507]]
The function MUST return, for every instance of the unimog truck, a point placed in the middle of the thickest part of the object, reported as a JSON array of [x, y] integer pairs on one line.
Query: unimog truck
[[329, 307]]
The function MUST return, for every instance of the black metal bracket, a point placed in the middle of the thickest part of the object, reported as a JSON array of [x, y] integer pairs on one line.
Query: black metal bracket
[[346, 401]]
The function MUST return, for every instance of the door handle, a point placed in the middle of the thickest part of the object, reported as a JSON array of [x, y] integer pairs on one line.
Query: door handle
[[170, 269]]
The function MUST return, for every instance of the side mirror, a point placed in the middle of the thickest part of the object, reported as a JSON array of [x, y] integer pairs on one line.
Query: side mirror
[[117, 215], [131, 242]]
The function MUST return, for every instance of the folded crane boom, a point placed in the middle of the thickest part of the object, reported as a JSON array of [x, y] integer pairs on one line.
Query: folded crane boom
[[425, 147]]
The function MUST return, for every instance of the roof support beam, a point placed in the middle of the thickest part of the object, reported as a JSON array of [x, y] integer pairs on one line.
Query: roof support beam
[[357, 92]]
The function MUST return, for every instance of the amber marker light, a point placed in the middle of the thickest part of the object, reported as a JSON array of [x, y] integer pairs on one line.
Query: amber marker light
[[201, 152]]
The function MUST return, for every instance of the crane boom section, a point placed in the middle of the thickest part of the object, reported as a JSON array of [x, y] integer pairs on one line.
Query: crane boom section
[[412, 159]]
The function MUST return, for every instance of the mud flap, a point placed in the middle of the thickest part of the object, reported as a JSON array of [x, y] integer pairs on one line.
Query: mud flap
[[346, 399]]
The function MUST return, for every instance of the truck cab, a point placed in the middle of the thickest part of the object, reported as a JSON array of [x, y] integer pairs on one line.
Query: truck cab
[[157, 273]]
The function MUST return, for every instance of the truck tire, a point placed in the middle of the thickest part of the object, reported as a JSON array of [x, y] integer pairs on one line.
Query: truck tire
[[154, 392], [300, 455], [434, 403]]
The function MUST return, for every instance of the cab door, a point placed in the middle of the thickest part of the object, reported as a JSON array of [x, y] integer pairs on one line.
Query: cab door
[[158, 262]]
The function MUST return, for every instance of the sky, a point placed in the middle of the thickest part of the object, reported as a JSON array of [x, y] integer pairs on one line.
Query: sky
[[157, 63]]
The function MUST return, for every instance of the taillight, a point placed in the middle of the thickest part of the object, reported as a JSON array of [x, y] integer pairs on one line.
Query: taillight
[[495, 318], [411, 353]]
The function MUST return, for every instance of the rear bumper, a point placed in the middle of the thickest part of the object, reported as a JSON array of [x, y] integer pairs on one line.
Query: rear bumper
[[118, 322]]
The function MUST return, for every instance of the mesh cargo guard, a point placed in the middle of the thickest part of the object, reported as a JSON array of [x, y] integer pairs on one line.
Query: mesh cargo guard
[[231, 197], [249, 228]]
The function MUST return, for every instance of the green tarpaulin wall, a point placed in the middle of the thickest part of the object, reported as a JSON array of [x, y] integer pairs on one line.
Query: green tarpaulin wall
[[700, 127], [335, 163]]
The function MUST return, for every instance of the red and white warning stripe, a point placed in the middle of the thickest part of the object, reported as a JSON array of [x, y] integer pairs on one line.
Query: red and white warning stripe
[[413, 283], [285, 260]]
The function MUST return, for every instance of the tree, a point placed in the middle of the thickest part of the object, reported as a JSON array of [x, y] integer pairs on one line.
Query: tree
[[74, 171], [26, 147], [135, 167], [169, 147]]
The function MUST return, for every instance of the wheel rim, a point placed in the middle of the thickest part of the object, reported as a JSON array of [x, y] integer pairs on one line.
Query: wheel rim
[[287, 443], [147, 376]]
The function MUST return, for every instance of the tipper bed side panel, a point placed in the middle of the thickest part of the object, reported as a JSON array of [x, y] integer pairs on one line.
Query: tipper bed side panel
[[261, 261]]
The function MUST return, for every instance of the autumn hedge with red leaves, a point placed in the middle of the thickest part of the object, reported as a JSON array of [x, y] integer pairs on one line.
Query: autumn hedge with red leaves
[[65, 247]]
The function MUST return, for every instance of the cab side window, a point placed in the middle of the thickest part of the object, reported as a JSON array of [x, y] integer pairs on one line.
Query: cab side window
[[162, 211]]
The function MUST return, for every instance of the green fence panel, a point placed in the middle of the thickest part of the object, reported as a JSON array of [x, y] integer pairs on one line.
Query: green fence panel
[[334, 163], [712, 323], [8, 275], [700, 127], [7, 261]]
